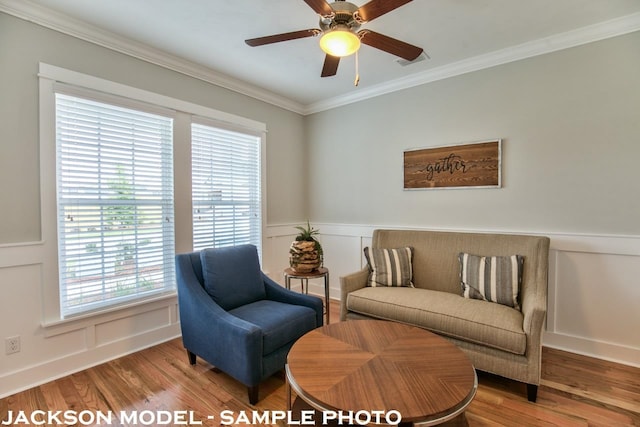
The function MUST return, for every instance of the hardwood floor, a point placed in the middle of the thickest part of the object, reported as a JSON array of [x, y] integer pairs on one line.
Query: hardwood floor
[[576, 391]]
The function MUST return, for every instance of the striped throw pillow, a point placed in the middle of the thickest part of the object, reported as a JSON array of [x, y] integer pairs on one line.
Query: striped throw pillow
[[390, 267], [491, 278]]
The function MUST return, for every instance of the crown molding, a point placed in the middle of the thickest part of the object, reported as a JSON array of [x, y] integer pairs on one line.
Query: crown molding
[[604, 30], [45, 17], [48, 18]]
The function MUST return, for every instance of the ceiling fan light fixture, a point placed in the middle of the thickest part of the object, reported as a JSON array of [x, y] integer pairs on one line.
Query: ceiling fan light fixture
[[340, 41]]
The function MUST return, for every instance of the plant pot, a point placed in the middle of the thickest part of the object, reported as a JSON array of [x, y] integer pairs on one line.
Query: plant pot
[[304, 256]]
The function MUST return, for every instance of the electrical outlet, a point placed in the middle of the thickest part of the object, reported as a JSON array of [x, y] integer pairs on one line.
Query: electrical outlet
[[12, 345]]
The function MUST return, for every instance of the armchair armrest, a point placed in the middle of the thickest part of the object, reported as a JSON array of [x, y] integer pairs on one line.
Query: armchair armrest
[[276, 292], [348, 284]]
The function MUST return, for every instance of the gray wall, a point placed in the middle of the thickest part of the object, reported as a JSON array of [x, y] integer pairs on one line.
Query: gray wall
[[54, 350], [23, 45], [570, 123]]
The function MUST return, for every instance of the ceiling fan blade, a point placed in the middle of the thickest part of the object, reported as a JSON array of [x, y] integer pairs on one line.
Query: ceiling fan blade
[[376, 8], [330, 67], [276, 38], [390, 45], [321, 7]]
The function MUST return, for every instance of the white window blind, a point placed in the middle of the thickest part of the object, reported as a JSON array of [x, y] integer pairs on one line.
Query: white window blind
[[226, 193], [114, 168]]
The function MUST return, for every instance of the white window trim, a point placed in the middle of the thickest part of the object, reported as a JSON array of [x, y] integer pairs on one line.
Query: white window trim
[[185, 113], [229, 186], [74, 197]]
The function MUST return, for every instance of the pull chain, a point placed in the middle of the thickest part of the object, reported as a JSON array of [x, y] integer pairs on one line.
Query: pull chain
[[355, 83]]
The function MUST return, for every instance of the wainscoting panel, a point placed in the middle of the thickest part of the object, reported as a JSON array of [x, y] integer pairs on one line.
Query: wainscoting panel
[[594, 309], [19, 283], [342, 256], [594, 290], [593, 298], [137, 324], [52, 351]]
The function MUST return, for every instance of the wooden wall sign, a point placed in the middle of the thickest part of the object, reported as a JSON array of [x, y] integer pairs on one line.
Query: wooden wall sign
[[466, 165]]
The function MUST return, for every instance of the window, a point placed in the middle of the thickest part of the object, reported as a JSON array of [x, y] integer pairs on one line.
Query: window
[[114, 175], [226, 187], [116, 192]]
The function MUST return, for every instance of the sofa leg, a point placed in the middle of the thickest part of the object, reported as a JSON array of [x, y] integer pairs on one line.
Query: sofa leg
[[253, 394], [532, 392], [192, 358]]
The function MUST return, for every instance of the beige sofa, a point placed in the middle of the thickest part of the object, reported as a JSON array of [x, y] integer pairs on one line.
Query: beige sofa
[[497, 338]]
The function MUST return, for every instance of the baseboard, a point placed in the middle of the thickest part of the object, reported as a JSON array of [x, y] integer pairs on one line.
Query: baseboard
[[611, 352]]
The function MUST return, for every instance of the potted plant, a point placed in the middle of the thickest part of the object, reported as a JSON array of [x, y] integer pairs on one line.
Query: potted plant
[[305, 253]]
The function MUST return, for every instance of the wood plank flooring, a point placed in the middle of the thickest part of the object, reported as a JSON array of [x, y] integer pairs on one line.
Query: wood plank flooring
[[576, 391]]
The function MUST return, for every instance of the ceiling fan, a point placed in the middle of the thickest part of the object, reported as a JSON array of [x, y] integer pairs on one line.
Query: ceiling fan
[[340, 32]]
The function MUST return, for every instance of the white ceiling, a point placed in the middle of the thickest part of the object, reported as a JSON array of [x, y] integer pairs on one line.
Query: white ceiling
[[458, 36]]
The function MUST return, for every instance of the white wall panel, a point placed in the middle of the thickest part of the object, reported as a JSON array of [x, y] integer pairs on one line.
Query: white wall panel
[[593, 294], [52, 351], [594, 298], [341, 253], [129, 326], [21, 295]]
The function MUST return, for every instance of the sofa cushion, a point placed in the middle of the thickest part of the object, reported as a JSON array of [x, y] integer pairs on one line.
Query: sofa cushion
[[491, 278], [476, 321], [281, 323], [389, 267], [232, 275]]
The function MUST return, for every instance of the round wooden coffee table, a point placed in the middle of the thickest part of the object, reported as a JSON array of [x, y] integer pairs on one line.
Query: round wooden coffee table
[[374, 365]]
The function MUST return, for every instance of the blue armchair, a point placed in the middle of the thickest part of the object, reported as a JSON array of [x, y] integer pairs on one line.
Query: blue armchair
[[236, 318]]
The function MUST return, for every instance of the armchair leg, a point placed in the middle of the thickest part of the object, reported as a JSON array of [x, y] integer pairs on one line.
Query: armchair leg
[[532, 392], [192, 358], [253, 394]]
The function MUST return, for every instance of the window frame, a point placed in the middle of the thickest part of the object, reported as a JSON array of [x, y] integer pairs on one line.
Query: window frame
[[185, 112], [201, 121], [82, 191]]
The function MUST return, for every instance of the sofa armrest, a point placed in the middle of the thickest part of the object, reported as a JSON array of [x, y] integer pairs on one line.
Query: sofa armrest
[[534, 313], [534, 291], [534, 308], [349, 283]]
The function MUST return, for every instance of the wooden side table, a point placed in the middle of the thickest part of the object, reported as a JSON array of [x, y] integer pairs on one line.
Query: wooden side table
[[321, 272]]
